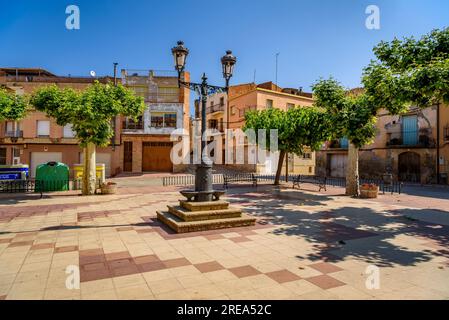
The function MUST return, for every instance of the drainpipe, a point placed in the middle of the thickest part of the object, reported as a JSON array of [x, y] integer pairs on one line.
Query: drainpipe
[[438, 143]]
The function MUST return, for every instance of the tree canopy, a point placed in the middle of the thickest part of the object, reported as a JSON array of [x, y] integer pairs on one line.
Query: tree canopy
[[298, 128], [12, 106], [409, 71], [89, 111], [351, 114]]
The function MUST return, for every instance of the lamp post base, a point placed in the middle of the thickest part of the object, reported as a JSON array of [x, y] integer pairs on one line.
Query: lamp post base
[[203, 182]]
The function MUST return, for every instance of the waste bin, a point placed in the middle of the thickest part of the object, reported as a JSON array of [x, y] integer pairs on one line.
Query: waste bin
[[78, 170], [14, 172], [52, 176]]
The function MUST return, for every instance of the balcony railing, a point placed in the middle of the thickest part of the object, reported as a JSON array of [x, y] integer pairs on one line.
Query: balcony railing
[[418, 138], [131, 125], [14, 134], [155, 97], [215, 108]]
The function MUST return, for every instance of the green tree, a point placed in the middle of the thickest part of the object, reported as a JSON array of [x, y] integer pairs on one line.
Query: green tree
[[90, 112], [12, 106], [409, 72], [297, 129], [353, 117]]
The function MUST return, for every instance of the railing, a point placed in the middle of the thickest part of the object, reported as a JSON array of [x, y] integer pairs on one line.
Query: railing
[[40, 186], [446, 133], [151, 73], [215, 108], [186, 180], [410, 138], [14, 134], [131, 125], [384, 186]]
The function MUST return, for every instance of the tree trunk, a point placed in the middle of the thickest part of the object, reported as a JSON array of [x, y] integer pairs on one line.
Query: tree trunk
[[279, 168], [89, 170], [352, 171]]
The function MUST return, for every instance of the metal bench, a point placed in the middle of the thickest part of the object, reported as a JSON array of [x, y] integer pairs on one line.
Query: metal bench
[[239, 177], [21, 186], [300, 179]]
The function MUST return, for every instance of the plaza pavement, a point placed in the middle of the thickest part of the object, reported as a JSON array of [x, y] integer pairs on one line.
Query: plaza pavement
[[305, 245]]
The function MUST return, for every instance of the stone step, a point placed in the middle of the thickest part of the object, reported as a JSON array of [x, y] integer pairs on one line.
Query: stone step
[[186, 215], [181, 226], [204, 206]]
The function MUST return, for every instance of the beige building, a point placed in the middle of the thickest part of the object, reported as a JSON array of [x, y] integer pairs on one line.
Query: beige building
[[228, 112], [406, 146]]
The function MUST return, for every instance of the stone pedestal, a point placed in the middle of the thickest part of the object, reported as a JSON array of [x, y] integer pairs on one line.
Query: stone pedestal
[[191, 216]]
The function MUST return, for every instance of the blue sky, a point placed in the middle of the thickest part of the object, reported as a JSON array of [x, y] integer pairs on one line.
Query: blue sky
[[314, 38]]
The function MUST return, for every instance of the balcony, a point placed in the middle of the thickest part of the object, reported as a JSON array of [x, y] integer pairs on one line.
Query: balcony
[[132, 126], [14, 134], [338, 144], [416, 138], [215, 108], [446, 133]]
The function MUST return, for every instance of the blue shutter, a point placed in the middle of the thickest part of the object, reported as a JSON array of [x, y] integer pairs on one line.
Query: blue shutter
[[410, 130], [344, 143]]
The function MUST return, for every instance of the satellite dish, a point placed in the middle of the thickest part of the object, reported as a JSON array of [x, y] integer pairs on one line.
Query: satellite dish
[[92, 73]]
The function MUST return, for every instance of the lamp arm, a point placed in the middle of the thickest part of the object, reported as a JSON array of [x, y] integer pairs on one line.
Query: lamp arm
[[198, 86]]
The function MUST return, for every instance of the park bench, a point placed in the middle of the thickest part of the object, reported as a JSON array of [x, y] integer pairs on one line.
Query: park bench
[[300, 179], [239, 177], [20, 186]]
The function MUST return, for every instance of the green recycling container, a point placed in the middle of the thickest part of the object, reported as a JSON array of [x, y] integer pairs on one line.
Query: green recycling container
[[52, 176]]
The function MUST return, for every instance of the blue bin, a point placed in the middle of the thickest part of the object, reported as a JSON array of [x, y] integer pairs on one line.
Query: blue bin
[[14, 172]]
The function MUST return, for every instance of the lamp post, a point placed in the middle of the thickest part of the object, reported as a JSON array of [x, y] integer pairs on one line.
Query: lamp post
[[203, 176]]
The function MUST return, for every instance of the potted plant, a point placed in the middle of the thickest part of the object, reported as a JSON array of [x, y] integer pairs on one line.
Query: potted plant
[[108, 187], [369, 190]]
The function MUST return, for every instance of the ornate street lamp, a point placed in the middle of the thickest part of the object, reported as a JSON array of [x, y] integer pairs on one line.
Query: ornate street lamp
[[203, 176]]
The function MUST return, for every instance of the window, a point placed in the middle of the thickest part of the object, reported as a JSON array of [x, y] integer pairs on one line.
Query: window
[[163, 120], [170, 120], [222, 101], [307, 155], [233, 110], [43, 128], [290, 106], [68, 131], [2, 156], [269, 104]]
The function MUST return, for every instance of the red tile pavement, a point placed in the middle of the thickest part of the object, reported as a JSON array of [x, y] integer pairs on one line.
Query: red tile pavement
[[283, 276], [325, 282], [244, 271], [325, 267], [209, 266]]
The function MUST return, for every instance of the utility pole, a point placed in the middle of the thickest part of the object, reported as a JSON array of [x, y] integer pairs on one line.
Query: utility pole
[[277, 55]]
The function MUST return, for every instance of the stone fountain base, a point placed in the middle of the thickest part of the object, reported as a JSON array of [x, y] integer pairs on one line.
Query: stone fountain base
[[191, 216]]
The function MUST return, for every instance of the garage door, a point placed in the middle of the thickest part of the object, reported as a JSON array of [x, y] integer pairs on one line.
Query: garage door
[[101, 158], [156, 157], [38, 158], [338, 165]]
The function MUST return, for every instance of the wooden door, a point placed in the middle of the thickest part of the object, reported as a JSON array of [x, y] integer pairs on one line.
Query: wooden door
[[156, 157], [128, 156]]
